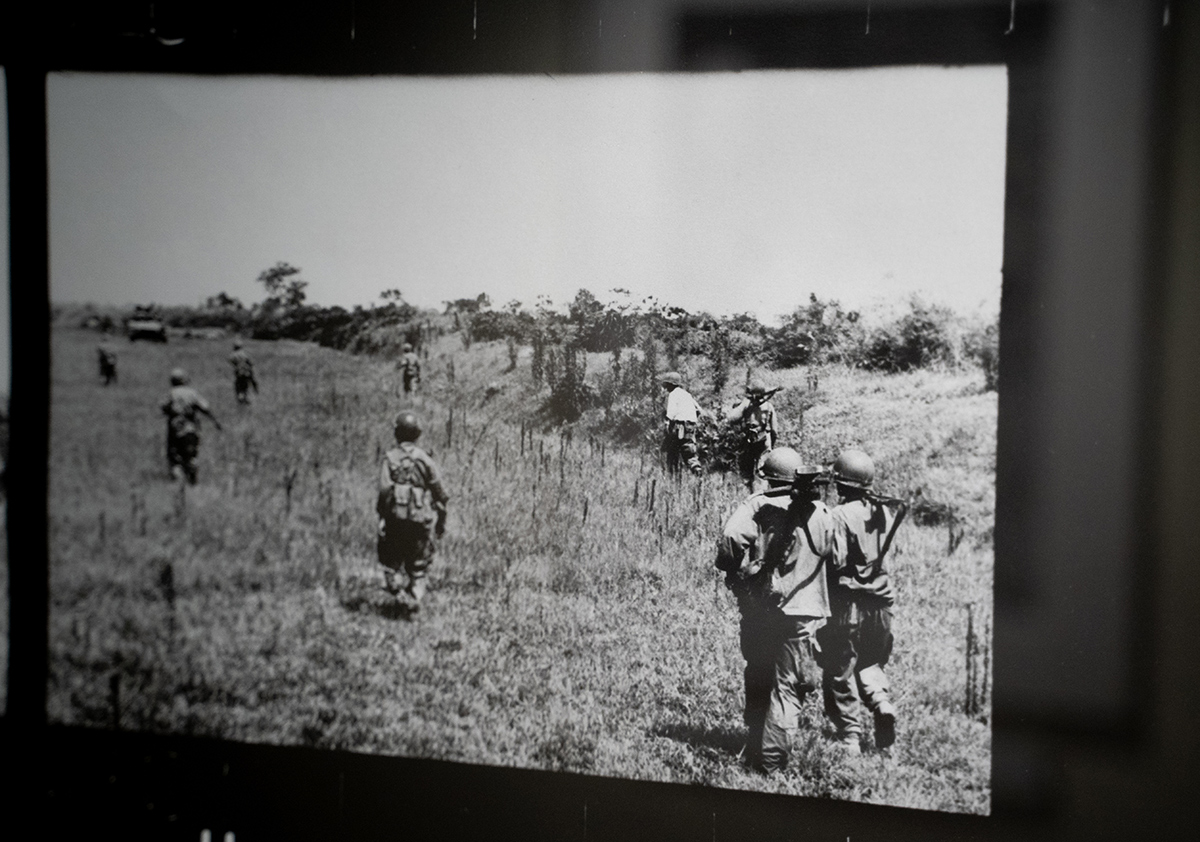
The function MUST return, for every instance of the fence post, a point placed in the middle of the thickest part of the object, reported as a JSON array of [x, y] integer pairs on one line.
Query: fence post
[[969, 701]]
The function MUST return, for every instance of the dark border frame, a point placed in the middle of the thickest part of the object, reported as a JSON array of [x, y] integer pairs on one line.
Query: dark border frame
[[1079, 311]]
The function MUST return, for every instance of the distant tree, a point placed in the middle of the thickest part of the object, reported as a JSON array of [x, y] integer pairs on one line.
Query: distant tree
[[538, 363], [283, 288], [921, 337], [392, 296], [817, 332], [275, 279], [294, 294], [468, 305], [223, 301]]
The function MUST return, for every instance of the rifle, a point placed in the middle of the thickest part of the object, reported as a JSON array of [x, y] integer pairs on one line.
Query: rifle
[[759, 400], [901, 511]]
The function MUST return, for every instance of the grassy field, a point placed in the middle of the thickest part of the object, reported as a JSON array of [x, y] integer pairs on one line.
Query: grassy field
[[574, 621]]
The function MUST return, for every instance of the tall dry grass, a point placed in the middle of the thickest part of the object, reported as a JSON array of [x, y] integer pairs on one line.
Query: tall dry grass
[[574, 622]]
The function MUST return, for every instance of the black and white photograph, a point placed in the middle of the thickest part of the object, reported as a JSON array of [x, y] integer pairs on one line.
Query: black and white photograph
[[633, 425]]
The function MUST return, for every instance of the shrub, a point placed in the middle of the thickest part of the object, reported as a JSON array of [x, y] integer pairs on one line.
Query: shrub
[[818, 332], [921, 337], [982, 345]]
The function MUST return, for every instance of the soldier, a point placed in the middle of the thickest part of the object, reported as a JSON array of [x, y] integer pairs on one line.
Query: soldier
[[760, 429], [243, 373], [108, 361], [411, 508], [857, 641], [774, 551], [410, 367], [682, 413], [182, 408]]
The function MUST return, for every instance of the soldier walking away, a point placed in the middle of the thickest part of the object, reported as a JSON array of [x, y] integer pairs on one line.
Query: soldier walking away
[[774, 551], [759, 426], [411, 508], [682, 413], [410, 368], [108, 361], [183, 407], [857, 641], [243, 373]]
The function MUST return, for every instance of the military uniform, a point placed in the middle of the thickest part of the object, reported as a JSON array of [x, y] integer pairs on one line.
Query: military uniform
[[182, 408], [108, 363], [774, 550], [410, 369], [857, 641], [760, 432], [243, 375], [679, 441], [408, 538]]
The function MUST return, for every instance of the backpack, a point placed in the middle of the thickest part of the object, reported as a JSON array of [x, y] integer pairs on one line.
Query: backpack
[[409, 499]]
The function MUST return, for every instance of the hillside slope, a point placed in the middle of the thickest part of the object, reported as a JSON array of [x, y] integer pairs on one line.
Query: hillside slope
[[574, 620]]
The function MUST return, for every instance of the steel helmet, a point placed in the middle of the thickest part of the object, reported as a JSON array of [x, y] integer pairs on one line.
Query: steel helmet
[[237, 344], [670, 378], [854, 469], [781, 465], [408, 427], [178, 377], [756, 387], [407, 347]]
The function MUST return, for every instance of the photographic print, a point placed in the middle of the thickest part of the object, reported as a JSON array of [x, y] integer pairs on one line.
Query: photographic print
[[630, 425]]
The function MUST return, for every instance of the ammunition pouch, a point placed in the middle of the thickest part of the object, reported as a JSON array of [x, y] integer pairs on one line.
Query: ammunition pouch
[[680, 430]]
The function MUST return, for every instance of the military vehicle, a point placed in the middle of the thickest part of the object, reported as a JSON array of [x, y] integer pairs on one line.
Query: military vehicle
[[144, 324]]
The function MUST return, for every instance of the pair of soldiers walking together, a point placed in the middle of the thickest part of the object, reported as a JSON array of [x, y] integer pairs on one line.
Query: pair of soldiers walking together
[[754, 416], [815, 602]]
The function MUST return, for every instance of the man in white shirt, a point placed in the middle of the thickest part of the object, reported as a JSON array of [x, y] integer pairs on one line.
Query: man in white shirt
[[679, 441]]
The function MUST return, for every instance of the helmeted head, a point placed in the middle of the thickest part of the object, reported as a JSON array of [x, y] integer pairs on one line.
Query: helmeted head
[[407, 347], [853, 469], [408, 426], [179, 377], [780, 466], [237, 344], [670, 379], [756, 389]]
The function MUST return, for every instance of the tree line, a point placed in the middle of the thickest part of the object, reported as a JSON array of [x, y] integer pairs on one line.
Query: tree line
[[641, 336]]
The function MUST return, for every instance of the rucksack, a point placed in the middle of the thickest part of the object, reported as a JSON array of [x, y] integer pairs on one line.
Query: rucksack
[[409, 499]]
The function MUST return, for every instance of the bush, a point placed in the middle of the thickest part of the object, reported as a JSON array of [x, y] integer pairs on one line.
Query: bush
[[819, 332], [921, 337], [982, 345]]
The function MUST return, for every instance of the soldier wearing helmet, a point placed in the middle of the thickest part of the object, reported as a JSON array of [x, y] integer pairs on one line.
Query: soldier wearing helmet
[[774, 551], [243, 373], [412, 510], [108, 361], [857, 641], [682, 415], [410, 369], [759, 423], [183, 408]]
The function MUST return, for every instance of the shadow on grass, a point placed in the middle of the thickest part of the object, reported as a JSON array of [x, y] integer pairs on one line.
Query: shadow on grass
[[723, 740], [389, 608]]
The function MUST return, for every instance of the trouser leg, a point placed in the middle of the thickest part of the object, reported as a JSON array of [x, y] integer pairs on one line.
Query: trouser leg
[[757, 678], [838, 682], [874, 650], [748, 460], [689, 456], [794, 676]]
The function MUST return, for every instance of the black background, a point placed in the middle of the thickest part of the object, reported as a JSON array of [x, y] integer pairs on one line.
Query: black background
[[1096, 722]]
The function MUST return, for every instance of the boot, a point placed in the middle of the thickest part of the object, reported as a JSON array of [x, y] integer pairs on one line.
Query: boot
[[389, 582], [416, 589]]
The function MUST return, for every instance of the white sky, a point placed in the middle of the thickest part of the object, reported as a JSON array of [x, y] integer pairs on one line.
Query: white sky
[[728, 192]]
